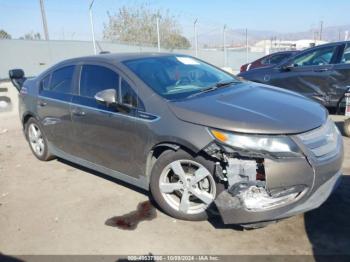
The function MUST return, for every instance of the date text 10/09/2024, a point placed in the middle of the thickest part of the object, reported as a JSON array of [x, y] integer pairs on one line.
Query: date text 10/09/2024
[[173, 258]]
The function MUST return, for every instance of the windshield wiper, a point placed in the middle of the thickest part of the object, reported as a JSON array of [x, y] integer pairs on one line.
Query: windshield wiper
[[214, 87]]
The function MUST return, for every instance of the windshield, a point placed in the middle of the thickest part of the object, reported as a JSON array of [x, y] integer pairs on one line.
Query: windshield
[[177, 77]]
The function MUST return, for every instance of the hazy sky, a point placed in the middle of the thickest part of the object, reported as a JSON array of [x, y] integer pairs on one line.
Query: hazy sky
[[69, 18]]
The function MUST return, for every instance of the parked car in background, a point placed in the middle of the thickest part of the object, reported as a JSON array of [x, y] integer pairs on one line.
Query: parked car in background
[[269, 60], [321, 73], [197, 137]]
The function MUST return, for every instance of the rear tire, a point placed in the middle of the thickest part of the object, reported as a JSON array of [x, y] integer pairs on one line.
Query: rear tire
[[187, 193], [37, 140]]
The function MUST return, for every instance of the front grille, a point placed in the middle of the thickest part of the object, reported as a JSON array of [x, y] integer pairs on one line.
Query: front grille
[[323, 141]]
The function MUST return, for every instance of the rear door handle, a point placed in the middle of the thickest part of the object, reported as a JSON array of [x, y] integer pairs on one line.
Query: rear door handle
[[78, 112], [42, 103]]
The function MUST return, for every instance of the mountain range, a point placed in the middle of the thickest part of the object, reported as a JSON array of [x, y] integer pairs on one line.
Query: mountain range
[[236, 37]]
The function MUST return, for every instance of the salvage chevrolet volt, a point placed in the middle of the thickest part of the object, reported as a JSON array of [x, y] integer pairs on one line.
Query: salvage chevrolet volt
[[199, 139]]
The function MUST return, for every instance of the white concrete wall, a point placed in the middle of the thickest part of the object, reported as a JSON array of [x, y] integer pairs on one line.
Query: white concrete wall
[[35, 56]]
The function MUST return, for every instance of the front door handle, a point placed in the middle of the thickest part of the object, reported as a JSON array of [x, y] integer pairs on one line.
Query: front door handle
[[321, 70]]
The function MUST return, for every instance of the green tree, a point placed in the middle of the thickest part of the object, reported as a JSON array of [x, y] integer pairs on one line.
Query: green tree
[[177, 41], [137, 25], [4, 34]]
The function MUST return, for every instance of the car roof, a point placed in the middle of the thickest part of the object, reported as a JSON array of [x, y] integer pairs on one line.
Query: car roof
[[330, 44], [116, 57], [284, 52]]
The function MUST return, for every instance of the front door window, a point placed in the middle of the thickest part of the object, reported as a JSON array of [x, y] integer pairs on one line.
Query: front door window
[[318, 57]]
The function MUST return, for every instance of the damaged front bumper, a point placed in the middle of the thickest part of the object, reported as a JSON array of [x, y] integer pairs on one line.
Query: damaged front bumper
[[232, 211], [292, 185]]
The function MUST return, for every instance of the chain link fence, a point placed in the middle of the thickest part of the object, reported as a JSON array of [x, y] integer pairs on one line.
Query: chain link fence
[[36, 55]]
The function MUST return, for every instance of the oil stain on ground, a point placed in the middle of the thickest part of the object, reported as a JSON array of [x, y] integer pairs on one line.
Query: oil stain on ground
[[145, 211]]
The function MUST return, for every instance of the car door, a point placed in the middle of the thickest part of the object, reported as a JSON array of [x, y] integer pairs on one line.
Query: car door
[[340, 80], [104, 135], [308, 73], [53, 106]]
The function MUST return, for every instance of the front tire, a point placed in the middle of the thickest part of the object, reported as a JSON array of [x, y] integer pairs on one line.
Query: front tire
[[347, 127], [183, 185], [37, 140]]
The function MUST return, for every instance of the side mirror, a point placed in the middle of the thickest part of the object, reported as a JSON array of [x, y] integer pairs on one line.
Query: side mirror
[[287, 67], [16, 73], [17, 78], [107, 96]]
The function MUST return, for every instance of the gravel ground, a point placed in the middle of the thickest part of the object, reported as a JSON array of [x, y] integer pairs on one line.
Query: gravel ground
[[59, 208]]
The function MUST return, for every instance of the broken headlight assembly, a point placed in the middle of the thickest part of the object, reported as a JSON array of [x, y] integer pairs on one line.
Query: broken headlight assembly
[[244, 168], [275, 146]]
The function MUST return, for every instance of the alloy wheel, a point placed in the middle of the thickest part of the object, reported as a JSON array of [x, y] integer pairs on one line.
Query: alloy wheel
[[36, 139], [187, 186]]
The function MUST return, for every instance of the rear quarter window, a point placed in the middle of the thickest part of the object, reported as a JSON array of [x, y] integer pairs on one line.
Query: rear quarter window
[[45, 82]]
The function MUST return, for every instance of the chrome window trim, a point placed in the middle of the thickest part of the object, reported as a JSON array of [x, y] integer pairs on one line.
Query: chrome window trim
[[104, 111]]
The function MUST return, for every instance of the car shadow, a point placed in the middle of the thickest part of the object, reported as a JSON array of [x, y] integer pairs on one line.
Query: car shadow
[[104, 176], [217, 223], [340, 125], [328, 227], [214, 220], [7, 258]]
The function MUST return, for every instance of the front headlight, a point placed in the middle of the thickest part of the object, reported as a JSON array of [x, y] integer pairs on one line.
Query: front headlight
[[276, 146]]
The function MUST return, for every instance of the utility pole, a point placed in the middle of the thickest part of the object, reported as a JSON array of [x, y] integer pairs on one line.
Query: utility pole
[[158, 33], [315, 37], [43, 17], [246, 45], [224, 45], [195, 37], [92, 27], [321, 30]]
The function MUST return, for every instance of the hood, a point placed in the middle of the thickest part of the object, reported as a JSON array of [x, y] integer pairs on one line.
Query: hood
[[252, 108]]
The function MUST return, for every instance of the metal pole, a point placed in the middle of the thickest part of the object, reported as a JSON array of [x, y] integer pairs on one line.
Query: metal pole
[[158, 33], [321, 30], [43, 17], [246, 45], [92, 27], [195, 37], [224, 45]]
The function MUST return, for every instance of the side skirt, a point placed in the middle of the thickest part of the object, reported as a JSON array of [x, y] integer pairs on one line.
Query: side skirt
[[142, 182]]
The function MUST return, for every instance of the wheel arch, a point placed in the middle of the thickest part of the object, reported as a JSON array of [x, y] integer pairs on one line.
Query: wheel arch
[[162, 147], [26, 116]]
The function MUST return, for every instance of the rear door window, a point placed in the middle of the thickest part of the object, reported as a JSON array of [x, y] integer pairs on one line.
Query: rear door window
[[96, 78], [62, 80]]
